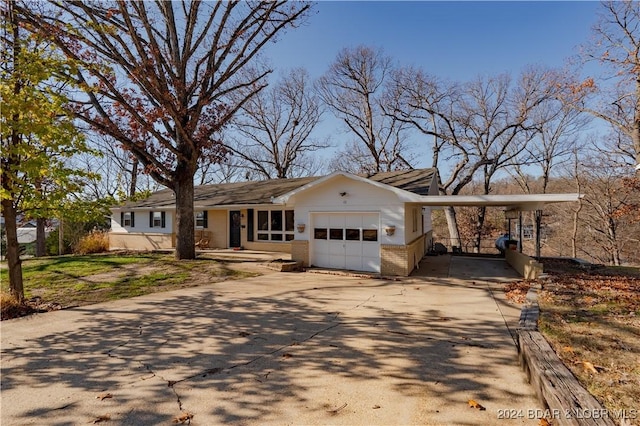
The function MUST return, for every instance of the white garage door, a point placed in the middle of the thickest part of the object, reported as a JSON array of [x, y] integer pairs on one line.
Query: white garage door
[[346, 241]]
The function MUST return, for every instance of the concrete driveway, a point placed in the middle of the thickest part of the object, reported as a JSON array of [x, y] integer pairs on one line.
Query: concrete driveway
[[283, 348]]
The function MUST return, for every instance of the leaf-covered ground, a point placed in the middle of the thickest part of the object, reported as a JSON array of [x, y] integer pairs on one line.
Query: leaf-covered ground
[[591, 317]]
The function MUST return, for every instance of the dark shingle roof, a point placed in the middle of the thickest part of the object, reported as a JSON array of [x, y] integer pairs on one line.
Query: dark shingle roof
[[261, 192], [417, 181]]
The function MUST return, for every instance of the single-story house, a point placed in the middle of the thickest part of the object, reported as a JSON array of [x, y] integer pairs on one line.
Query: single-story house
[[345, 221], [377, 223]]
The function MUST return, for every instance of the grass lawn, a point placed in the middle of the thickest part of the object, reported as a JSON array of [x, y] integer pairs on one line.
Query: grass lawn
[[66, 281], [591, 318]]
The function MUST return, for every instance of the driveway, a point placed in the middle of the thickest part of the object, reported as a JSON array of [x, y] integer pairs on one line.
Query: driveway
[[283, 348]]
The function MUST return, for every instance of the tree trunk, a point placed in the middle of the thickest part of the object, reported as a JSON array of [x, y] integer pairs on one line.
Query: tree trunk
[[452, 225], [574, 234], [40, 237], [61, 237], [482, 212], [635, 132], [134, 178], [185, 221], [10, 162], [614, 251], [538, 216], [13, 251]]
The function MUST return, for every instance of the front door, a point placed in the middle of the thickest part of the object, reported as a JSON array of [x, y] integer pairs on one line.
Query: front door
[[234, 228]]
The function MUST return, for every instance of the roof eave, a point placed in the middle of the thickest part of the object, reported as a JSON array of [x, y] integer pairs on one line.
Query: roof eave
[[522, 202]]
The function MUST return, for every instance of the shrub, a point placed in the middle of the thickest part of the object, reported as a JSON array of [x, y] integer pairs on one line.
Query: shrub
[[93, 242], [9, 306]]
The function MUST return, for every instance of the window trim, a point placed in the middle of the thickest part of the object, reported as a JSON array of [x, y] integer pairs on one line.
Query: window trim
[[204, 219], [283, 235], [162, 219], [131, 220]]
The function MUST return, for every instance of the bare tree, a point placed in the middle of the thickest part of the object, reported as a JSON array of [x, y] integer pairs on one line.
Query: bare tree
[[164, 78], [118, 172], [427, 103], [231, 169], [558, 133], [273, 129], [354, 89], [482, 126], [617, 47], [608, 232]]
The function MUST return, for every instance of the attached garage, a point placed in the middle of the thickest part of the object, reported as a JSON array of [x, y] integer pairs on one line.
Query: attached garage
[[345, 241]]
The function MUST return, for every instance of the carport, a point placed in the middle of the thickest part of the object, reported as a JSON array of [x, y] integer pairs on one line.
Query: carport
[[514, 205]]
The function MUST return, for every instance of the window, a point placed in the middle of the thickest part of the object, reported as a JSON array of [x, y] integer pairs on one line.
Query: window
[[320, 233], [415, 219], [288, 220], [369, 235], [128, 219], [336, 234], [353, 235], [275, 225], [201, 220], [157, 219]]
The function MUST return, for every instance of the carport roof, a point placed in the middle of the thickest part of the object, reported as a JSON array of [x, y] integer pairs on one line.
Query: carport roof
[[516, 202]]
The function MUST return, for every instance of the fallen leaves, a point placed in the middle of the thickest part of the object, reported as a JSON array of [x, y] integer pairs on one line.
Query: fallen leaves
[[103, 418], [104, 395], [474, 404], [183, 418], [516, 292], [589, 367], [335, 410], [589, 315]]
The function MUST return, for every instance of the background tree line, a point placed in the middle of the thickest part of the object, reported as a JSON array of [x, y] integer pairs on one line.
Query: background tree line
[[177, 94]]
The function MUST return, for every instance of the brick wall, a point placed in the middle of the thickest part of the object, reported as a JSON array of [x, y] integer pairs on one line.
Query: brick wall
[[402, 259], [284, 247], [300, 251]]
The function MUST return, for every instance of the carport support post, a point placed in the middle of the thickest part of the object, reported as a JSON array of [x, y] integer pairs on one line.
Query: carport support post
[[538, 225], [520, 231]]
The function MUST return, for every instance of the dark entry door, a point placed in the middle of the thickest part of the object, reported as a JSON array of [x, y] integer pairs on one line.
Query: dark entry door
[[234, 228]]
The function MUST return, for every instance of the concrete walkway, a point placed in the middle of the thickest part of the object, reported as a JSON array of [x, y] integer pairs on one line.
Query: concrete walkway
[[283, 348]]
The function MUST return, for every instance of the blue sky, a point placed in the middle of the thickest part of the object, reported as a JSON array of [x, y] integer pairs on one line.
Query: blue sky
[[451, 40]]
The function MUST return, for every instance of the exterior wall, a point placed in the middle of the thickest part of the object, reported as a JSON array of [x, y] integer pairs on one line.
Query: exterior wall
[[300, 252], [142, 224], [413, 229], [142, 241], [284, 247], [142, 236], [526, 266], [359, 197], [218, 227], [402, 259]]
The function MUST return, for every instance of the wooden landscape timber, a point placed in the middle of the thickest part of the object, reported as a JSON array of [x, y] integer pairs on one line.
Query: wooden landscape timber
[[569, 403]]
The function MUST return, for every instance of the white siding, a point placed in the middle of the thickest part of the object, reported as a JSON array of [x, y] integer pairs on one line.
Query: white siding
[[142, 224]]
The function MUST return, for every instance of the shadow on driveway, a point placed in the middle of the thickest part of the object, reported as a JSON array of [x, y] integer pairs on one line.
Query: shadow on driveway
[[277, 349]]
